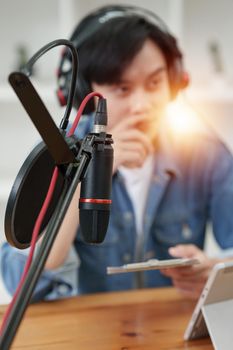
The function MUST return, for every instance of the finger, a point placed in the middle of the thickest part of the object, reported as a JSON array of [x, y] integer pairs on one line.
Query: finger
[[129, 153], [198, 278], [192, 289], [177, 271], [129, 159], [132, 146], [131, 121], [185, 251], [133, 135], [190, 294], [184, 272]]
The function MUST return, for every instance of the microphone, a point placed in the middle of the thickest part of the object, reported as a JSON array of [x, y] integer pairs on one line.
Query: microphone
[[95, 196]]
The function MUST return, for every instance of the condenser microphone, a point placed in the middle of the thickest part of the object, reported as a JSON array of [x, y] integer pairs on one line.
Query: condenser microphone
[[95, 197]]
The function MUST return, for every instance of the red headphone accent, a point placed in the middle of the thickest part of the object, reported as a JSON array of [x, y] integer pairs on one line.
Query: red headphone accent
[[185, 80], [61, 97]]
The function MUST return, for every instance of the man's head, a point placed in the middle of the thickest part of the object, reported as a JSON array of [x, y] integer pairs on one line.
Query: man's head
[[109, 39]]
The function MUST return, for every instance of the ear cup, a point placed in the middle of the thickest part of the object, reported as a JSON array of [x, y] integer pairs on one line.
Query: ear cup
[[82, 90], [64, 80]]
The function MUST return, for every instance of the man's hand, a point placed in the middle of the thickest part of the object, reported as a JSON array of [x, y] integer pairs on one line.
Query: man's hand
[[131, 145], [190, 280]]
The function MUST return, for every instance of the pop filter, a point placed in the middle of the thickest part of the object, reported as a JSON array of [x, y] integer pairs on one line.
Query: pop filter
[[32, 182], [28, 194]]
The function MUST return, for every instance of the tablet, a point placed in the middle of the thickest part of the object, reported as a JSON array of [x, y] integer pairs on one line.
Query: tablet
[[213, 314], [152, 264]]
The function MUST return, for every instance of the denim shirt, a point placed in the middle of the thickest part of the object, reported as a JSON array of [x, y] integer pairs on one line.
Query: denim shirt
[[192, 183]]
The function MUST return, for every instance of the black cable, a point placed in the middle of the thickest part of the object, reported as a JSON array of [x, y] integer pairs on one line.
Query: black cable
[[27, 69]]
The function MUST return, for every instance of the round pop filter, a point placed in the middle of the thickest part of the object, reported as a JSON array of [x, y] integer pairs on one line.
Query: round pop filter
[[27, 197]]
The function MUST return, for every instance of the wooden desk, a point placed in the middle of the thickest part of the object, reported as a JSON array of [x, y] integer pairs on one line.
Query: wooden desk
[[143, 319]]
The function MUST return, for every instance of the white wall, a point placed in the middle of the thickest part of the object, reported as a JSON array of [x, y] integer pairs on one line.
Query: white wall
[[29, 23], [205, 21]]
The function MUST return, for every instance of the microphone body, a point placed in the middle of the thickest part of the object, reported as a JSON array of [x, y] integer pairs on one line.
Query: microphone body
[[95, 196]]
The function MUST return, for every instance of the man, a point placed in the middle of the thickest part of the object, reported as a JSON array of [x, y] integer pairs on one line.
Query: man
[[164, 190]]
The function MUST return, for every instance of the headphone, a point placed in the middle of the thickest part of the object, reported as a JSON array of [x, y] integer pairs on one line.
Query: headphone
[[178, 77]]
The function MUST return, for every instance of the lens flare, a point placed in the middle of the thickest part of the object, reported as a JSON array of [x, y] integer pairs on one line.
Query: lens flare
[[181, 119]]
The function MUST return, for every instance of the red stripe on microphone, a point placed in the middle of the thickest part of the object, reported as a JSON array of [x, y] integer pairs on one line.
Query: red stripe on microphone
[[93, 200]]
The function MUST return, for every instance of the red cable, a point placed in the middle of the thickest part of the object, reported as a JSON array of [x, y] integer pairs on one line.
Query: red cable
[[35, 233], [42, 214], [80, 110]]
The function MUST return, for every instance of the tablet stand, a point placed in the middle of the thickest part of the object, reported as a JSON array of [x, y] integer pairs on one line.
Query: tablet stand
[[218, 318]]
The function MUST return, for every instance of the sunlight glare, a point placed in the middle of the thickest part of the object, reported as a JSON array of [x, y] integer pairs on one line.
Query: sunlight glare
[[181, 118]]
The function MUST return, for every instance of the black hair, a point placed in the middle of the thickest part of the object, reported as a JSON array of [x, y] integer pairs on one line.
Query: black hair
[[107, 40], [106, 54]]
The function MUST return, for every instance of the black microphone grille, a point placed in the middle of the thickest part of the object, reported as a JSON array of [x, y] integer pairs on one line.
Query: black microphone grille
[[95, 223]]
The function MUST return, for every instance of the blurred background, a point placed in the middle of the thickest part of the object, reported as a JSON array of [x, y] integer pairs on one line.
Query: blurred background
[[203, 28]]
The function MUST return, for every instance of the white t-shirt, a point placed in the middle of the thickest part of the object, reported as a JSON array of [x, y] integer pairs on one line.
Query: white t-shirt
[[137, 182]]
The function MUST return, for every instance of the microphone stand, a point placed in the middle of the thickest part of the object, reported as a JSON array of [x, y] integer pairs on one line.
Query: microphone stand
[[23, 299]]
